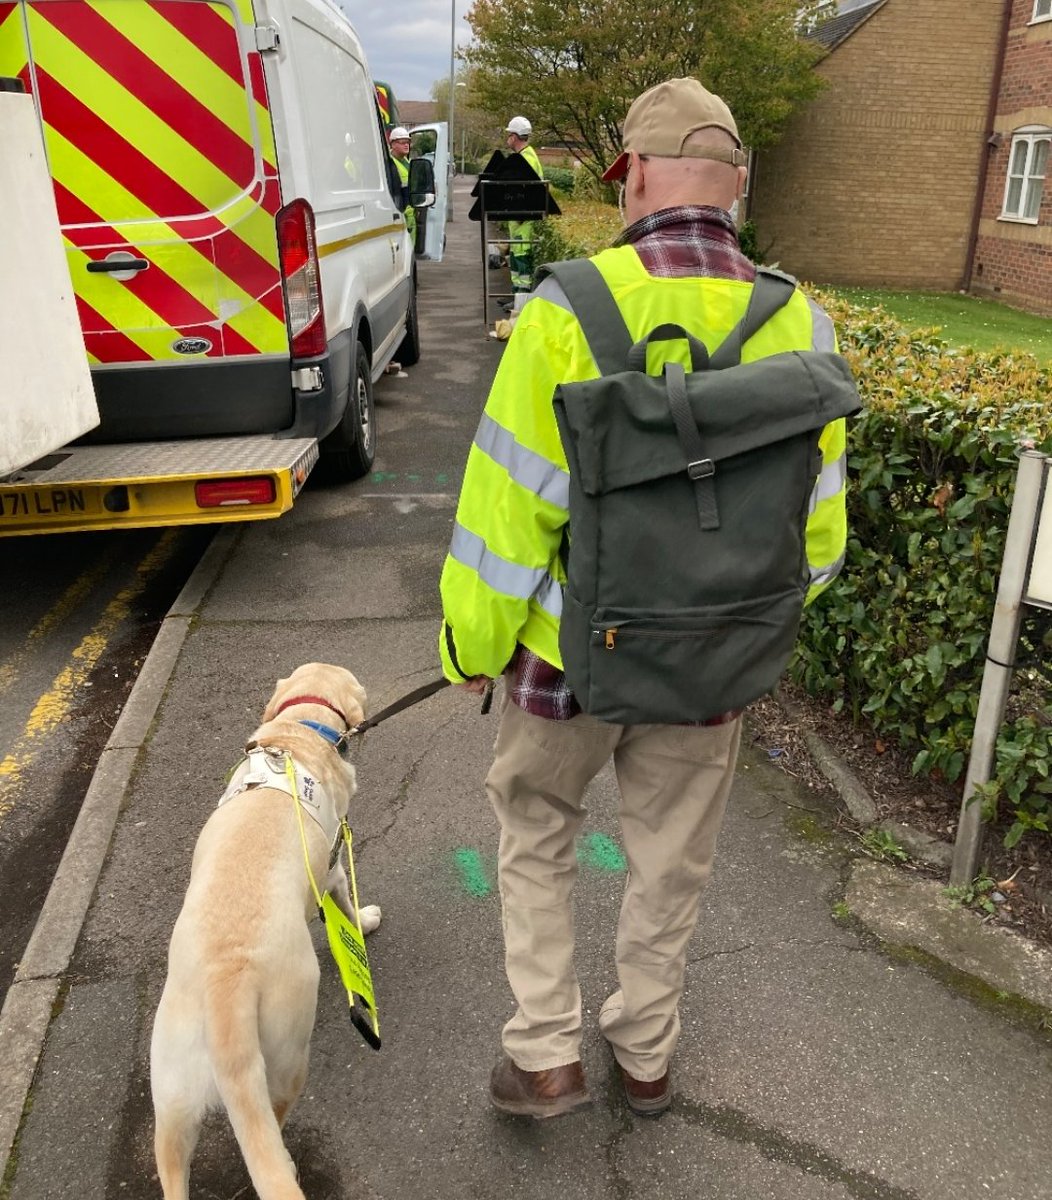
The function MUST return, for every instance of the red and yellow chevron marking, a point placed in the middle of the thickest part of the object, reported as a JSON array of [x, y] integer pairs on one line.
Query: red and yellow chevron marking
[[14, 55], [160, 144], [384, 100]]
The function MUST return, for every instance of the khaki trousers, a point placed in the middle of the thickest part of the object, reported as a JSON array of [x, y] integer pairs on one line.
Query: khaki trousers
[[674, 781]]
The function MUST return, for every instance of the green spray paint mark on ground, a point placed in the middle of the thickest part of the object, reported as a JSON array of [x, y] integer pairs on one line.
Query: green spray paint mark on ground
[[441, 478], [595, 851], [472, 873], [600, 852]]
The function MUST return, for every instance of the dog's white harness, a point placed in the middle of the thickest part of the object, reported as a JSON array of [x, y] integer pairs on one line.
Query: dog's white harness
[[265, 767]]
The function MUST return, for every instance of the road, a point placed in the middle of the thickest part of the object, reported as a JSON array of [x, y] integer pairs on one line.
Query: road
[[80, 615]]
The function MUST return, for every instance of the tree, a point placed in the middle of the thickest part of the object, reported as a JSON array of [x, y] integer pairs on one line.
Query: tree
[[476, 134], [574, 66]]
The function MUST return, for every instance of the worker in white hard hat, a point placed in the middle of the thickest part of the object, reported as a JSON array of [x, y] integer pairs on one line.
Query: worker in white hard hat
[[520, 233], [398, 140]]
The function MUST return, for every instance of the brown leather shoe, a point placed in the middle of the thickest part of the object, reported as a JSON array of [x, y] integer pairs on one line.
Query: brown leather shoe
[[647, 1099], [537, 1094]]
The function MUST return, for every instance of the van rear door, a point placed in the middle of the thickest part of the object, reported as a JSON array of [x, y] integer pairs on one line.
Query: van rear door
[[432, 141], [343, 173], [161, 150]]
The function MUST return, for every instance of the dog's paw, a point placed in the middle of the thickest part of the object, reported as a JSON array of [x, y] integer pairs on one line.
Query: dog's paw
[[370, 917]]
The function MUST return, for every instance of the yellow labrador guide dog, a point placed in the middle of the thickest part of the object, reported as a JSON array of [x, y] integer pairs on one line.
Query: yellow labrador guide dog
[[235, 1020]]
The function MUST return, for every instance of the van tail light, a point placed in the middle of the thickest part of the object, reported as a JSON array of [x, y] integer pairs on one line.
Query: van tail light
[[301, 277], [223, 493]]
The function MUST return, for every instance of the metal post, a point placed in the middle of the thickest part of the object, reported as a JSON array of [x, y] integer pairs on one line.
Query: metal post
[[452, 80], [484, 226], [997, 675]]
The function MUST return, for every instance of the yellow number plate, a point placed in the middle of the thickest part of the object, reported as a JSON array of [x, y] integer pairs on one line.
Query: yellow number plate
[[48, 503]]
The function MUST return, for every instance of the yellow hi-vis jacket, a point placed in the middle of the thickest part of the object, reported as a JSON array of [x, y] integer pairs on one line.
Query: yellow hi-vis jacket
[[502, 580], [520, 234], [402, 168], [530, 155]]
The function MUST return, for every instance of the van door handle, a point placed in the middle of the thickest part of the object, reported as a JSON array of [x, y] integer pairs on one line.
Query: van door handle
[[117, 264]]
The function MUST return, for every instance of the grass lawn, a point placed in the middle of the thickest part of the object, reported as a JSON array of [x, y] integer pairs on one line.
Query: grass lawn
[[964, 321]]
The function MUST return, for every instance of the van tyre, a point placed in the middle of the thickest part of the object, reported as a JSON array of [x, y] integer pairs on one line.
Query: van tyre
[[348, 452], [408, 353]]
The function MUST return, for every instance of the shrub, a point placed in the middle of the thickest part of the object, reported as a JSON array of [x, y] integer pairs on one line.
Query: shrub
[[749, 242], [900, 637], [586, 227], [561, 179]]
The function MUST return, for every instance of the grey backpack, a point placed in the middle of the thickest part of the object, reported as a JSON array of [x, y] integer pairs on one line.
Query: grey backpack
[[689, 496]]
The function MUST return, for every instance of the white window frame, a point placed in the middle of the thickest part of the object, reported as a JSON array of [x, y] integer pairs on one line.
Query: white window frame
[[1042, 11], [1030, 137]]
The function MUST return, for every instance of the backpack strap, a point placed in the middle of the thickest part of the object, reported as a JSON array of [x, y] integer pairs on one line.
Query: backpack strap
[[771, 291], [596, 311], [700, 468]]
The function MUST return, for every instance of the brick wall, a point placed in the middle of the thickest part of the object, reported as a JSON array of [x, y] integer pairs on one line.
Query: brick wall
[[1013, 259], [874, 183]]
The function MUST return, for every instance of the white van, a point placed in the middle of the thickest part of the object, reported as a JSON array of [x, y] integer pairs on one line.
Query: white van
[[231, 216]]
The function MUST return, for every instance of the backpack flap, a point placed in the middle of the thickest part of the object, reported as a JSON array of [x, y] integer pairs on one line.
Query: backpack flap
[[623, 433]]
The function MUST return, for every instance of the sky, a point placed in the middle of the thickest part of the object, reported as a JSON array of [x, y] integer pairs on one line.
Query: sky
[[407, 42]]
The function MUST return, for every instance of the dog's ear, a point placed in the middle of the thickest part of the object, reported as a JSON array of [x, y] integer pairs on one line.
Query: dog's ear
[[308, 679], [352, 698], [283, 690]]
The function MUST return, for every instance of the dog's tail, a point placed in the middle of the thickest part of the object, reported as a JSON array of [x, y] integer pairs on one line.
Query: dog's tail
[[232, 1033]]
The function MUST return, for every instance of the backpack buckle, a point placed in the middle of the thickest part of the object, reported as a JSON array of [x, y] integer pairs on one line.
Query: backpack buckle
[[701, 468]]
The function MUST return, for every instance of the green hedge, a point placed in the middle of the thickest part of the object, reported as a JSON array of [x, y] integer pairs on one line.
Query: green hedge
[[561, 179], [900, 638]]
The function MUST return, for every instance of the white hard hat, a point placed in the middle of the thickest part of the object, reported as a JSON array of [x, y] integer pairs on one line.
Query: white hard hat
[[520, 126], [398, 133]]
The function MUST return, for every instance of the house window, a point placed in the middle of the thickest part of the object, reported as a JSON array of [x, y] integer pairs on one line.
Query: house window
[[1042, 8], [1026, 175]]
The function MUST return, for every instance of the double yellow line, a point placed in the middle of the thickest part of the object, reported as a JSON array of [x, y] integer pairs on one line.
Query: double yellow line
[[58, 702]]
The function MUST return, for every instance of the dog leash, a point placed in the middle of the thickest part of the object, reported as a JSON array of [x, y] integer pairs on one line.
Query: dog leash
[[407, 701]]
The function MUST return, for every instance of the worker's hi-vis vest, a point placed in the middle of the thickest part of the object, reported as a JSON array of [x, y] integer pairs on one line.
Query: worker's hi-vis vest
[[159, 140], [402, 168], [502, 580], [530, 155]]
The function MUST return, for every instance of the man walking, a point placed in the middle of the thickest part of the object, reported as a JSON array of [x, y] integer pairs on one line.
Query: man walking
[[520, 233], [678, 261]]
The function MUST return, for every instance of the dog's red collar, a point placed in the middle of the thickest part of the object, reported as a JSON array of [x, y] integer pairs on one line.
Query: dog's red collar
[[312, 700]]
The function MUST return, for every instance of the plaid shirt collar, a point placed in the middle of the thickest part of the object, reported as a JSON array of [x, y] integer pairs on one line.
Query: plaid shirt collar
[[688, 220]]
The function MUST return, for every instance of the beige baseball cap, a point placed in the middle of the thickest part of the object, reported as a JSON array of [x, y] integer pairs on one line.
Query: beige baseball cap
[[664, 116]]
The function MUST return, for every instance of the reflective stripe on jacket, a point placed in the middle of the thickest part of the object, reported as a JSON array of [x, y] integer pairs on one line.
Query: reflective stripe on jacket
[[502, 580]]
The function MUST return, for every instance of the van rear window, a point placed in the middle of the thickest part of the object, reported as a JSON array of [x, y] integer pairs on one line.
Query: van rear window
[[148, 108]]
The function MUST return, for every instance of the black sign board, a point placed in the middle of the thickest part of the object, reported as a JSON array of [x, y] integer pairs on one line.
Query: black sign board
[[510, 190]]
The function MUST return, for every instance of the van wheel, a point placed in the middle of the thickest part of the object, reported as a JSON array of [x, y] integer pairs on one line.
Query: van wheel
[[408, 352], [348, 452]]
